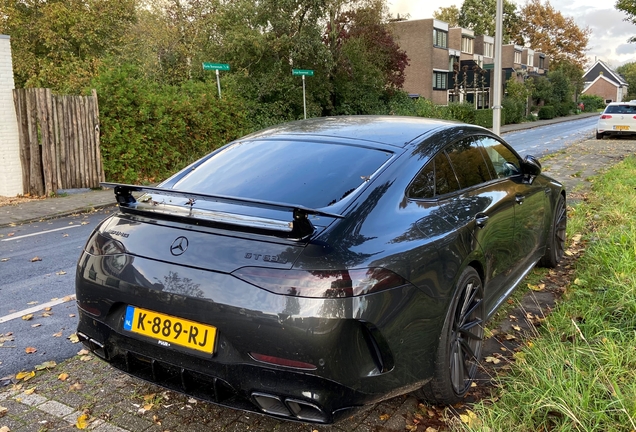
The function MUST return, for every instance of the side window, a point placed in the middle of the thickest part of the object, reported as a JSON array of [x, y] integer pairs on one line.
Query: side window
[[437, 178], [504, 162], [469, 162]]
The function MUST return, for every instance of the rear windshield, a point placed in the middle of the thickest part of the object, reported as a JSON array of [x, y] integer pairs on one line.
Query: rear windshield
[[305, 173], [621, 109]]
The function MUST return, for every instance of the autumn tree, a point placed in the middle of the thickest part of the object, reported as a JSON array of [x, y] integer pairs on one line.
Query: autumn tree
[[448, 14], [629, 7], [61, 43], [544, 29], [368, 63], [479, 15], [628, 71]]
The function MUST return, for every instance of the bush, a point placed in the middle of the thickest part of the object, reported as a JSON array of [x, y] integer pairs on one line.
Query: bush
[[149, 131], [546, 113], [463, 112], [514, 109], [483, 118], [592, 103]]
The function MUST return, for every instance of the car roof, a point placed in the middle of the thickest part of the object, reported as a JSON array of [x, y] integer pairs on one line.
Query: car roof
[[390, 130]]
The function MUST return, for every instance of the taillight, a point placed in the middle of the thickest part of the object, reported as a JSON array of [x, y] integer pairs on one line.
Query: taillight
[[607, 116], [99, 245], [321, 283]]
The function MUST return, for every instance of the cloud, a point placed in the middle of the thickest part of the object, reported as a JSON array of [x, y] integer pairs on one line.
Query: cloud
[[628, 49]]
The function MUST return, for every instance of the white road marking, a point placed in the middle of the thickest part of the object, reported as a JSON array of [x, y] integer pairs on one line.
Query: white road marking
[[36, 308], [41, 232]]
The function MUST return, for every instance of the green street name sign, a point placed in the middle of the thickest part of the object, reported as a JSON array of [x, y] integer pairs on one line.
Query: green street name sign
[[216, 66], [307, 72]]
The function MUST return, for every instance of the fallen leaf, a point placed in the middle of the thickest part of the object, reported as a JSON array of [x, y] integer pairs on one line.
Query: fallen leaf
[[48, 309], [45, 314], [10, 234], [431, 429], [469, 418], [63, 376], [60, 273], [385, 417], [150, 396], [46, 365], [30, 391], [25, 376], [86, 358], [3, 411], [510, 336], [67, 299], [32, 302], [148, 407], [83, 352], [34, 259], [73, 338], [30, 350], [76, 386], [27, 317], [58, 334], [4, 259], [84, 223], [493, 360], [71, 315], [36, 325], [65, 235], [516, 327], [82, 422]]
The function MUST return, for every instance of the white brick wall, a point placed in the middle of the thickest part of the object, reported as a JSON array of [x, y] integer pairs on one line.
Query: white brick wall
[[10, 165]]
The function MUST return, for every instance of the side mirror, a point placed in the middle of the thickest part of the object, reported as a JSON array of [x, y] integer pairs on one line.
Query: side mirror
[[531, 166]]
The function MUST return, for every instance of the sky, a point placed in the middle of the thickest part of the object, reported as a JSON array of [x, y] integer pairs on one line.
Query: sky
[[608, 40]]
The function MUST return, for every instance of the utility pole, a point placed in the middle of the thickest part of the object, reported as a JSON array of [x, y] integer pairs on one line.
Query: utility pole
[[496, 97]]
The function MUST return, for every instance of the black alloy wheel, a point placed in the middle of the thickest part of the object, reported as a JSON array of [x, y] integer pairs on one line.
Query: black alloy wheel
[[460, 344], [555, 247]]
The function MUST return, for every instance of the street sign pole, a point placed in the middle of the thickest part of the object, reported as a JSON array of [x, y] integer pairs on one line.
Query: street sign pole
[[217, 67], [304, 99], [302, 73], [218, 82]]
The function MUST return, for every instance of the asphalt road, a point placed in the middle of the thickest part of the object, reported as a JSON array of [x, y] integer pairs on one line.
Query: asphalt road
[[551, 138], [29, 286], [37, 280]]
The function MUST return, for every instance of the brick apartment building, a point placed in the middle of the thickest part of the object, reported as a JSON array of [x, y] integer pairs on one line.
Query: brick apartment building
[[453, 64]]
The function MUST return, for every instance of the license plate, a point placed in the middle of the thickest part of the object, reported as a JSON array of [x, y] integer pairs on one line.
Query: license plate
[[621, 128], [168, 330]]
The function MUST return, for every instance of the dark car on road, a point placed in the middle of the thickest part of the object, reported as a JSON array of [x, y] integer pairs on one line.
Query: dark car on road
[[316, 267]]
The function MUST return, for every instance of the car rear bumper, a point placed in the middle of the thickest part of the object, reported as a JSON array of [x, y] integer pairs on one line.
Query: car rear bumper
[[363, 349]]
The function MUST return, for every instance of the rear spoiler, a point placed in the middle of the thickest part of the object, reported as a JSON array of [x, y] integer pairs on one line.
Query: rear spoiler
[[299, 228]]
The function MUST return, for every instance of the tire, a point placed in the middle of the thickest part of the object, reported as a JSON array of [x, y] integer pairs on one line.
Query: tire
[[599, 135], [460, 343], [555, 244]]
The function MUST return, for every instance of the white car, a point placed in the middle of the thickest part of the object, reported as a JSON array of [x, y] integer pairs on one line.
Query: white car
[[619, 118]]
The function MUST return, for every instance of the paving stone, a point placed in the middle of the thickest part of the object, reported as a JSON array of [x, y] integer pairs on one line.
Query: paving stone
[[32, 399], [107, 427], [56, 408]]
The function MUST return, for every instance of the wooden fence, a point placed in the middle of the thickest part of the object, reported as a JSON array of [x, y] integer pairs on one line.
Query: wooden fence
[[59, 141]]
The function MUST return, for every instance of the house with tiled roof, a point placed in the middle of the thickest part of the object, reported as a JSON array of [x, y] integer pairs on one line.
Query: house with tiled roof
[[601, 80]]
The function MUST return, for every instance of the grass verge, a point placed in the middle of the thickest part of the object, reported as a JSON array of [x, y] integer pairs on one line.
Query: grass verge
[[579, 373]]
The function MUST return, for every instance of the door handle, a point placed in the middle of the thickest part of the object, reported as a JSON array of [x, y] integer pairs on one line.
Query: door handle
[[519, 199], [481, 219]]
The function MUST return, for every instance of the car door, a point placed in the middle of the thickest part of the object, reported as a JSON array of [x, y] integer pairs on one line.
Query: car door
[[487, 208], [530, 201]]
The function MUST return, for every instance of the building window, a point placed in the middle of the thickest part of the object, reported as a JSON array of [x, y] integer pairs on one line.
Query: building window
[[530, 60], [467, 45], [439, 80], [452, 61], [541, 60], [517, 57], [440, 38], [489, 50]]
